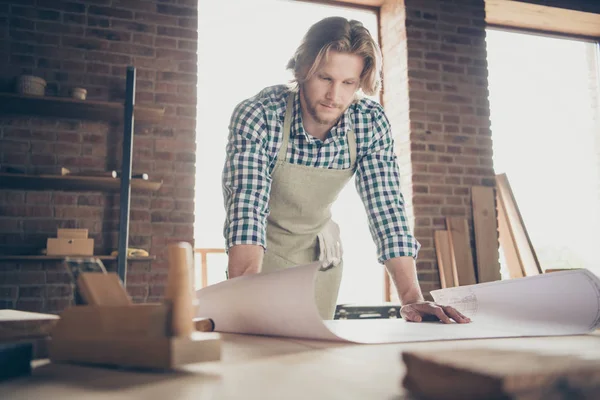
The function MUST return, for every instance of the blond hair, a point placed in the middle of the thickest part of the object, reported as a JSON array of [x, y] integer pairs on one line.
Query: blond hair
[[344, 36]]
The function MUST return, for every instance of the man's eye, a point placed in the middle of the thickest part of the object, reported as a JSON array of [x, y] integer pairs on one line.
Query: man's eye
[[349, 83]]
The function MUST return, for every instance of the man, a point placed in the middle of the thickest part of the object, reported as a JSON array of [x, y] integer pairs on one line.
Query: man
[[291, 150]]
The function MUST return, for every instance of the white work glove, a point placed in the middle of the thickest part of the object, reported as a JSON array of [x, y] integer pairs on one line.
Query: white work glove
[[330, 246]]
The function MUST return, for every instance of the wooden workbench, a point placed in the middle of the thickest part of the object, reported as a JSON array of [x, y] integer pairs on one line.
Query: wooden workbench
[[254, 367]]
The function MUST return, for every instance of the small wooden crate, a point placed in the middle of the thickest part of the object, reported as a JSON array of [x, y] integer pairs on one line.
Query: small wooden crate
[[135, 336]]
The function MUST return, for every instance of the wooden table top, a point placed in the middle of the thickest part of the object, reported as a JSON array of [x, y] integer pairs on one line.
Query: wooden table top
[[254, 367]]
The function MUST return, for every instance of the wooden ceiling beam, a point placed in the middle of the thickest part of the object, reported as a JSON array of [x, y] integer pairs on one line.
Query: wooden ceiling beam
[[516, 14]]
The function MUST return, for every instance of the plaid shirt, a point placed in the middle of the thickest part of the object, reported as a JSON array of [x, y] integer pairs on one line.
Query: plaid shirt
[[255, 137]]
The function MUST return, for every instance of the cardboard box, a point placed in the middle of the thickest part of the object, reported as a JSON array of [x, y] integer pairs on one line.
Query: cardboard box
[[69, 247], [72, 233]]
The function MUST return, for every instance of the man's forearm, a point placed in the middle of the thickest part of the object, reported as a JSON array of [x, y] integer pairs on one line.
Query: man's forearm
[[244, 259], [403, 272]]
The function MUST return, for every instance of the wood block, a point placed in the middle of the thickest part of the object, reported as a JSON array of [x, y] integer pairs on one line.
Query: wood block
[[444, 258], [138, 352], [460, 250], [178, 292], [499, 374], [21, 324], [486, 234], [102, 289]]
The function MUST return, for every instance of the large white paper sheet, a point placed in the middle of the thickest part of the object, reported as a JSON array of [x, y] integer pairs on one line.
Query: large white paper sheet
[[282, 304]]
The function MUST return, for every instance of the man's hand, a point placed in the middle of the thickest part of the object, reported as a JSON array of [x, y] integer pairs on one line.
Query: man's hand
[[428, 311], [403, 272]]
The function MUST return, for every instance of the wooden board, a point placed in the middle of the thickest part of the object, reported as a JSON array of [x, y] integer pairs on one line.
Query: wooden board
[[486, 234], [507, 243], [65, 107], [30, 258], [444, 258], [21, 324], [77, 183], [523, 245], [460, 250], [536, 17]]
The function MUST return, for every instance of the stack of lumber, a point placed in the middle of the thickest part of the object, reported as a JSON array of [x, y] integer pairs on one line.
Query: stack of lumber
[[496, 218]]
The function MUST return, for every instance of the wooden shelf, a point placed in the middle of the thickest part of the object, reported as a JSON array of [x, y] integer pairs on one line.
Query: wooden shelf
[[65, 107], [71, 183], [60, 258]]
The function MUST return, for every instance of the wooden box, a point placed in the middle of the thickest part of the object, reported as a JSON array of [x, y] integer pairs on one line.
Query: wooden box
[[69, 247]]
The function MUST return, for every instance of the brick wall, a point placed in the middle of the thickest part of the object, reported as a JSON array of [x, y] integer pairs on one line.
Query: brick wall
[[90, 44], [437, 99]]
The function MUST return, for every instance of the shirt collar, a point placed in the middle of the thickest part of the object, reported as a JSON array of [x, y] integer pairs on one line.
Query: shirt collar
[[297, 128]]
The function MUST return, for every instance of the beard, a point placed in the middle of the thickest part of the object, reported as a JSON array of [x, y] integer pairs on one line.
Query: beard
[[320, 117]]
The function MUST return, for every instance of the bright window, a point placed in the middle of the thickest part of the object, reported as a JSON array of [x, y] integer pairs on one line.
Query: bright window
[[244, 46], [544, 112]]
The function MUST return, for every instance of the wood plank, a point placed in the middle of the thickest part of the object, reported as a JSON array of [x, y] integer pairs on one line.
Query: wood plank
[[444, 258], [486, 234], [507, 242], [71, 183], [523, 245], [498, 373], [516, 14], [460, 250], [359, 3], [65, 107]]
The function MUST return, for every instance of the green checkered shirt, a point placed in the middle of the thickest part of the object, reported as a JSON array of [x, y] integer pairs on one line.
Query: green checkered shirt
[[256, 130]]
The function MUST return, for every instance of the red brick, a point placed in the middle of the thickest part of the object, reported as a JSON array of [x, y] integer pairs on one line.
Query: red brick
[[132, 26], [135, 5], [110, 12], [189, 45], [108, 34], [31, 277], [160, 19], [165, 42], [38, 197], [175, 10]]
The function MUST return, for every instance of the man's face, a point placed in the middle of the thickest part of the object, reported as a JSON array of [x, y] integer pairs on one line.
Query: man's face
[[331, 89]]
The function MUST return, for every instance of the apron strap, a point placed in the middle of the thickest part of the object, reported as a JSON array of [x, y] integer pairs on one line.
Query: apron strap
[[352, 147], [287, 124]]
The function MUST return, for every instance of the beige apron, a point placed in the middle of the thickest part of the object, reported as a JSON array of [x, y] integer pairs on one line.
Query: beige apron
[[300, 209]]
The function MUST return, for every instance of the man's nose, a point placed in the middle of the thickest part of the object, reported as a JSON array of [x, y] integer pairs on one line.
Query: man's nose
[[333, 91]]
